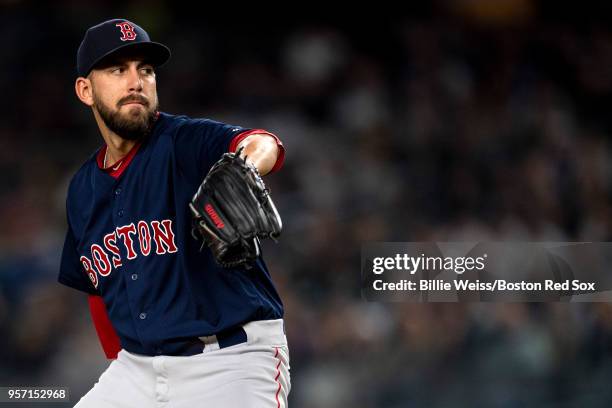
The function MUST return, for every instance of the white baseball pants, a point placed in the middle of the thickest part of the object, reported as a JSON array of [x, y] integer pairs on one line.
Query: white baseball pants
[[254, 374]]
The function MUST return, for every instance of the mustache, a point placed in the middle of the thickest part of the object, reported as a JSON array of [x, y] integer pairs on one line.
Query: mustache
[[134, 98]]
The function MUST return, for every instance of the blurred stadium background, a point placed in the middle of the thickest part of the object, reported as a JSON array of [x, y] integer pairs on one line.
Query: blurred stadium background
[[451, 120]]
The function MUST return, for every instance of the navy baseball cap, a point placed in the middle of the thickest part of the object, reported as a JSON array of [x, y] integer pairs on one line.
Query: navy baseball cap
[[113, 36]]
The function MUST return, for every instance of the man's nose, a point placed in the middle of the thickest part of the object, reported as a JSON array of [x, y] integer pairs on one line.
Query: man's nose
[[134, 79]]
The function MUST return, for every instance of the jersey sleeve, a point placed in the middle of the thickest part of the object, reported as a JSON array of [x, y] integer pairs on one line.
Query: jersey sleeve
[[200, 143], [71, 271], [109, 340]]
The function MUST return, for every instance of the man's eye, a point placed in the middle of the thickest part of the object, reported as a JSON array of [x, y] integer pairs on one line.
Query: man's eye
[[116, 70], [147, 71]]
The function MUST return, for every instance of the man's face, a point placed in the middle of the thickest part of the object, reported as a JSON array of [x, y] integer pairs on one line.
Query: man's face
[[125, 96]]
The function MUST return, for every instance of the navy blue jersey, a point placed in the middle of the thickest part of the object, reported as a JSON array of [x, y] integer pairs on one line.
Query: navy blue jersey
[[129, 241]]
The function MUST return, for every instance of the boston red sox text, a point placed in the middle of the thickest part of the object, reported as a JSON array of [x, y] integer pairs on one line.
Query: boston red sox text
[[477, 285]]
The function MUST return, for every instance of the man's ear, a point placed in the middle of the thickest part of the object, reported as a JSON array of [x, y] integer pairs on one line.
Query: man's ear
[[84, 91]]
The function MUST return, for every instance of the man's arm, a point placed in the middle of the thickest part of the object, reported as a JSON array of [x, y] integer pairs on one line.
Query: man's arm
[[109, 340], [262, 151]]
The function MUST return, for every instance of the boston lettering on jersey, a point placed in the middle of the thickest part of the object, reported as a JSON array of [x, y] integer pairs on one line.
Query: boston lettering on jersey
[[129, 241], [162, 235]]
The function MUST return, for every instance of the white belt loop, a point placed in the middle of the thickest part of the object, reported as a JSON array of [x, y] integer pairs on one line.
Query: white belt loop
[[210, 343]]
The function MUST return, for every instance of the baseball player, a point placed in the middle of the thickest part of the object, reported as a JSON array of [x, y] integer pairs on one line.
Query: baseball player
[[183, 329]]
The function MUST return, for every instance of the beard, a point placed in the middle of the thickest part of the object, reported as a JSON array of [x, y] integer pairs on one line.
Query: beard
[[134, 124]]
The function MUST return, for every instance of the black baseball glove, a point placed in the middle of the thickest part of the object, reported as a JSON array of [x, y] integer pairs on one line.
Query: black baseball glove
[[232, 210]]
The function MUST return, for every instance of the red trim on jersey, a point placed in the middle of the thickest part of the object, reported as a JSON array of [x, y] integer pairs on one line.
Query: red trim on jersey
[[106, 332], [276, 378], [281, 149], [119, 167]]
